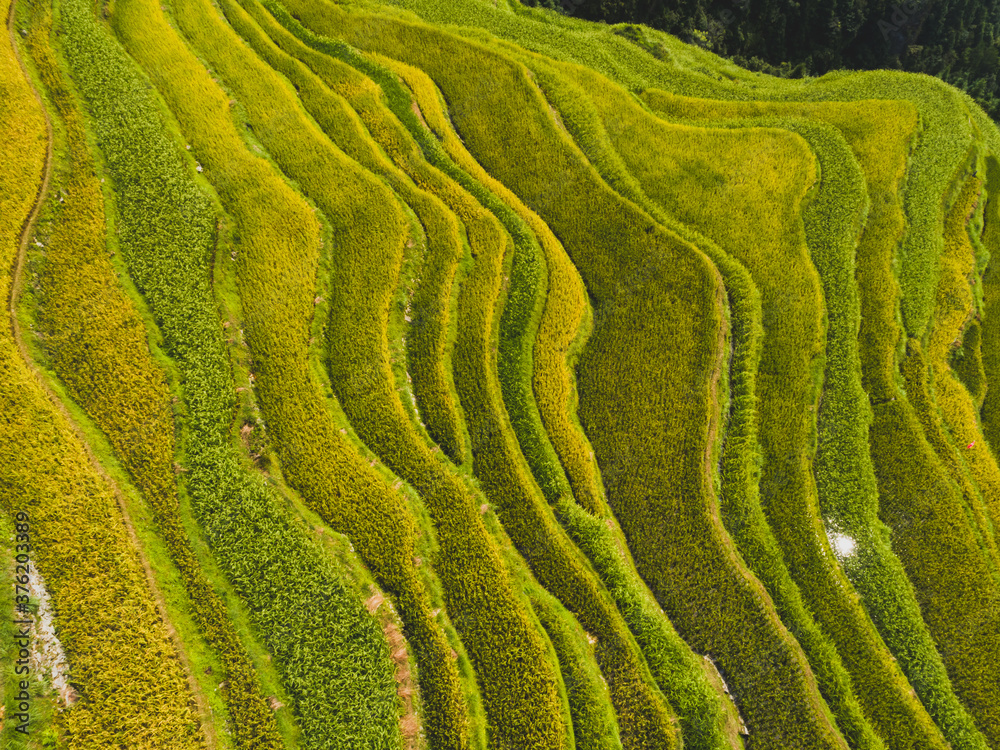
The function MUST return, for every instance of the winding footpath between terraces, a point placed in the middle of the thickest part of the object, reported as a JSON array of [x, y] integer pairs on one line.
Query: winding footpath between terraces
[[204, 712]]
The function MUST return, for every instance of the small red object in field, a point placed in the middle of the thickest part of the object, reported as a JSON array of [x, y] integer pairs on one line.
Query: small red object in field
[[971, 445]]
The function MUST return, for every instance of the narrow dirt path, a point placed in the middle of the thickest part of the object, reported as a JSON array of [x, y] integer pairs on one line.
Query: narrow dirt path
[[207, 723]]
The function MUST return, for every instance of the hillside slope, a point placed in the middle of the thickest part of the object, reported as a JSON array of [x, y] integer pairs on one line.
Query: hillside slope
[[435, 375]]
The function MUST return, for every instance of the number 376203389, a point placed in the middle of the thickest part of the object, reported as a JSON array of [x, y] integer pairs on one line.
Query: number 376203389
[[22, 546]]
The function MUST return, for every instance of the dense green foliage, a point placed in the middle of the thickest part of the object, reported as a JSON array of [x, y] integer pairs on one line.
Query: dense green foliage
[[85, 318], [69, 533], [166, 230], [958, 42], [847, 492]]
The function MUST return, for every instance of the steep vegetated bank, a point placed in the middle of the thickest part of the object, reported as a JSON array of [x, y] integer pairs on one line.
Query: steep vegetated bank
[[129, 683], [702, 375], [356, 332], [990, 408], [848, 495], [84, 316], [166, 231], [654, 394]]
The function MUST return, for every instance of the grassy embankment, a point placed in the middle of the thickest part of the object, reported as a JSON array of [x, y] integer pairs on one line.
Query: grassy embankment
[[166, 231], [364, 382], [74, 532], [83, 316], [380, 33]]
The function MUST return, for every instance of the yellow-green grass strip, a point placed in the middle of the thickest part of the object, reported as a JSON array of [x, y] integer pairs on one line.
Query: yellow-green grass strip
[[976, 671], [97, 346], [131, 682], [967, 360], [166, 230], [679, 673], [365, 271], [594, 723], [846, 483], [736, 208], [990, 410], [514, 86], [981, 418]]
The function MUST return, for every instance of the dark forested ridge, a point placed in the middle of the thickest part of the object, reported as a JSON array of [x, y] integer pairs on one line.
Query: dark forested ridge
[[955, 40]]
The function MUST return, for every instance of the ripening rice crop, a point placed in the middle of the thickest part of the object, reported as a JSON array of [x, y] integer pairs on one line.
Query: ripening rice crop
[[421, 375]]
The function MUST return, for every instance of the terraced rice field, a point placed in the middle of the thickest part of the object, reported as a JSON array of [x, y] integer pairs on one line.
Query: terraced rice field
[[424, 375]]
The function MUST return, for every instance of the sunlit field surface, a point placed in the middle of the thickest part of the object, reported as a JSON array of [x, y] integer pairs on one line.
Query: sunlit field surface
[[456, 375]]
